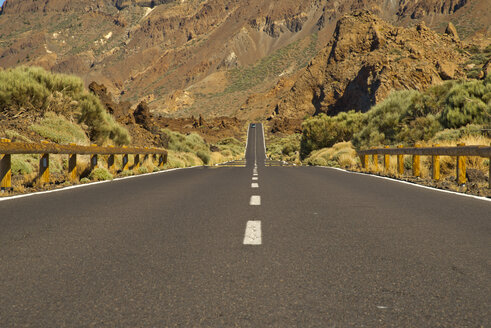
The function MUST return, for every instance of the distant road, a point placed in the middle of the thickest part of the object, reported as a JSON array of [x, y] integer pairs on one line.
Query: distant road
[[225, 247]]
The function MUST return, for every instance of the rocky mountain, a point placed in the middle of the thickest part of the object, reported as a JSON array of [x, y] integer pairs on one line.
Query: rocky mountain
[[367, 59], [213, 57]]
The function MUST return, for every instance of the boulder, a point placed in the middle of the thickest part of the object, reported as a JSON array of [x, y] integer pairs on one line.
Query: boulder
[[452, 31], [446, 70]]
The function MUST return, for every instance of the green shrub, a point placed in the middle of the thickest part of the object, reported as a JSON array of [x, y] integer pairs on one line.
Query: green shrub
[[127, 173], [58, 129], [204, 156], [24, 163], [410, 116], [34, 89], [84, 180], [14, 136], [324, 131], [230, 146], [142, 170], [466, 103], [285, 148], [100, 174]]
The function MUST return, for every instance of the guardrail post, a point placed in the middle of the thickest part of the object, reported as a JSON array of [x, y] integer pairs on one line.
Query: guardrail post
[[93, 159], [125, 159], [44, 167], [125, 162], [417, 163], [111, 162], [435, 166], [386, 160], [461, 169], [145, 157], [136, 161], [400, 162], [72, 166], [162, 160], [5, 169], [375, 161], [364, 161]]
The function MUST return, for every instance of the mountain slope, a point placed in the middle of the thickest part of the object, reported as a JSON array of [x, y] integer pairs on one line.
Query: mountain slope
[[197, 57]]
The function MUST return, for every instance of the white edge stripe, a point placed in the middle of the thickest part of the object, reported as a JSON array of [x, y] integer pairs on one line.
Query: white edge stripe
[[247, 140], [264, 141], [409, 183], [94, 183]]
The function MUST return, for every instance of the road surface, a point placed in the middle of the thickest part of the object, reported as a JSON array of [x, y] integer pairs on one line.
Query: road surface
[[224, 247]]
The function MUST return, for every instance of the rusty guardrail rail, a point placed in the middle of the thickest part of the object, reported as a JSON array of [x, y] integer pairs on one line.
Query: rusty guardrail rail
[[461, 152], [7, 149]]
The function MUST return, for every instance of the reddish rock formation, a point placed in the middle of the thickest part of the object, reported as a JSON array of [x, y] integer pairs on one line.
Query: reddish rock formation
[[367, 59]]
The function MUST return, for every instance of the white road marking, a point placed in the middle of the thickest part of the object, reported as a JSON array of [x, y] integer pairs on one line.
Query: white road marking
[[94, 183], [254, 178], [254, 185], [409, 183], [255, 200], [252, 234], [264, 140]]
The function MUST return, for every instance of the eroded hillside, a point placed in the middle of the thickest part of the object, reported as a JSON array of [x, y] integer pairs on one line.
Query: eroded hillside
[[367, 59], [194, 57]]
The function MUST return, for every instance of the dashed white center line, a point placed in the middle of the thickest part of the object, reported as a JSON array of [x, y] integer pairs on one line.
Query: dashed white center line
[[254, 178], [254, 185], [255, 200], [252, 234]]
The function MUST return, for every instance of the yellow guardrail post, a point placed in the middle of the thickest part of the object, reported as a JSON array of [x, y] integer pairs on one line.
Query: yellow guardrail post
[[375, 160], [72, 166], [5, 169], [461, 169], [417, 163], [386, 160], [44, 167], [136, 161], [400, 162], [435, 166], [145, 157], [364, 161], [125, 161], [155, 159], [162, 160]]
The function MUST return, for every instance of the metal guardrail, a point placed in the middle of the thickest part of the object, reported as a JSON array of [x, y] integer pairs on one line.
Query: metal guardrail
[[461, 152], [481, 151], [7, 149]]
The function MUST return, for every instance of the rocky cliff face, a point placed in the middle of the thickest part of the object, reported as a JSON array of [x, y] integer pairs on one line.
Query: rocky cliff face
[[367, 59], [209, 57]]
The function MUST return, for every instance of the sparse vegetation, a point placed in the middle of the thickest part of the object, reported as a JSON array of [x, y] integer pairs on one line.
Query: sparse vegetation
[[190, 150], [24, 89], [286, 148], [270, 67], [323, 131], [446, 114], [58, 129], [100, 174]]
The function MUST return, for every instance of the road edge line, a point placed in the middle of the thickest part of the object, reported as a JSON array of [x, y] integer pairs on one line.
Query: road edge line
[[2, 199], [408, 183]]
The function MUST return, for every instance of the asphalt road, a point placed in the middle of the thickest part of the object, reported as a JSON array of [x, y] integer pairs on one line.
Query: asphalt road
[[186, 248]]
